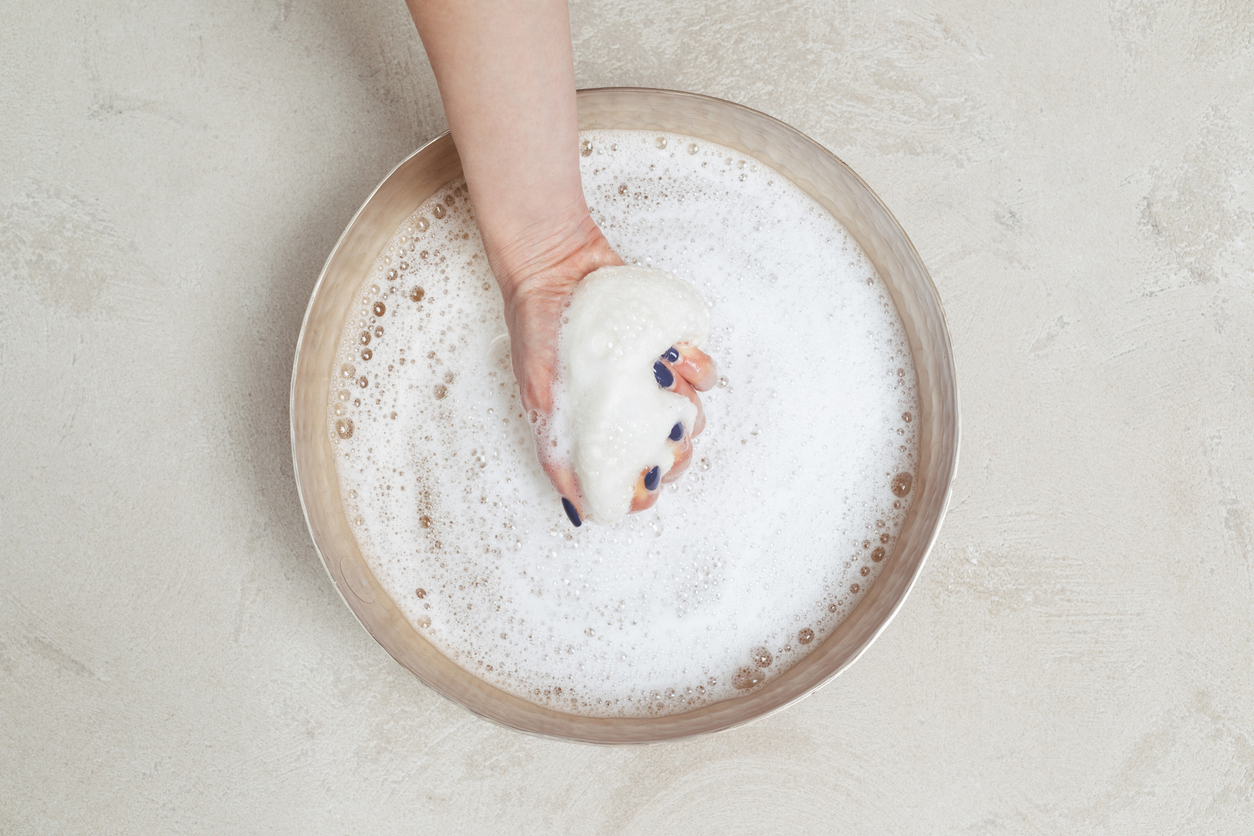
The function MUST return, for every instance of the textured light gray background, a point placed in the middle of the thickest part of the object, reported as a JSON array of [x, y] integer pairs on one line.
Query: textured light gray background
[[1077, 654]]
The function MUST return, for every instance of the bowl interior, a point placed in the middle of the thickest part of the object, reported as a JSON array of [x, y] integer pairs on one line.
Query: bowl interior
[[821, 175]]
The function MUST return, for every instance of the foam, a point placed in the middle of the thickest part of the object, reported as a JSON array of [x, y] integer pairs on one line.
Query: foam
[[771, 537], [620, 320]]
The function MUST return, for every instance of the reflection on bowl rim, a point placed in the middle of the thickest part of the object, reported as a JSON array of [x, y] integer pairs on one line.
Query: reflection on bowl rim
[[817, 172]]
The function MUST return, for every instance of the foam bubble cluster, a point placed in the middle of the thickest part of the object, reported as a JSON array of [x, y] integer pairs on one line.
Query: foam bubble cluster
[[798, 487]]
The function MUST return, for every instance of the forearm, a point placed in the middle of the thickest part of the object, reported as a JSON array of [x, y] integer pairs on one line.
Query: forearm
[[506, 77]]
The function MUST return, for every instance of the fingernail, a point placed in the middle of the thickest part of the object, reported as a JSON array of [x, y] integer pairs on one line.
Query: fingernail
[[677, 432], [672, 354], [663, 376], [572, 513], [652, 478]]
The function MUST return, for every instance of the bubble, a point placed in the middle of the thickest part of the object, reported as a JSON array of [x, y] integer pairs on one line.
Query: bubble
[[420, 592], [746, 678], [340, 409], [364, 338], [878, 554], [660, 142], [344, 394], [907, 417], [422, 622], [440, 391], [855, 588], [761, 657], [585, 148], [392, 274], [344, 428], [424, 521], [438, 211], [379, 309], [423, 225], [348, 370], [865, 570], [902, 483], [378, 331], [366, 354], [363, 382], [692, 147], [805, 636], [622, 189], [416, 294]]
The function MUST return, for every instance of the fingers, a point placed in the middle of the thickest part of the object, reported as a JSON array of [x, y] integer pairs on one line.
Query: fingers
[[682, 366], [681, 449], [665, 372], [562, 475], [649, 485], [676, 371], [682, 387], [694, 366], [648, 488]]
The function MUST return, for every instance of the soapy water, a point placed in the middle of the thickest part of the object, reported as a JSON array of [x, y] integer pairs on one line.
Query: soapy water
[[797, 490]]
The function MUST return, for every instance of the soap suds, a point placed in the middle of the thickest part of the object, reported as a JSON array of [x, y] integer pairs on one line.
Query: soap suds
[[790, 509]]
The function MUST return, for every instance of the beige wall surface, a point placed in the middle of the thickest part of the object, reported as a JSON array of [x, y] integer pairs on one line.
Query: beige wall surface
[[1078, 653]]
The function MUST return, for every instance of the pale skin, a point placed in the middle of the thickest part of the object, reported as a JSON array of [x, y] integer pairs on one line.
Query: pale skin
[[506, 76]]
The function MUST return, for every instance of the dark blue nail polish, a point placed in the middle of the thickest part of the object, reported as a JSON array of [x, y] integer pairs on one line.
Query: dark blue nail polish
[[663, 375], [652, 478], [677, 432], [672, 354], [572, 513]]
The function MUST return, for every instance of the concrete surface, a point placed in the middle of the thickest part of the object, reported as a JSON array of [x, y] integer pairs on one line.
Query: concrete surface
[[1077, 655]]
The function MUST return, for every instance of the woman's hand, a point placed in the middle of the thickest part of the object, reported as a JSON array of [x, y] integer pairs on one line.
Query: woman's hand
[[537, 278], [506, 76]]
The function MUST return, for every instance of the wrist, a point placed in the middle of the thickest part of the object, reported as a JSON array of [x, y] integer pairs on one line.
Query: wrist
[[560, 251]]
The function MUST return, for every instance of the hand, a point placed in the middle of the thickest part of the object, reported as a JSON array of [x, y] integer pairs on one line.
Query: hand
[[684, 369], [537, 278]]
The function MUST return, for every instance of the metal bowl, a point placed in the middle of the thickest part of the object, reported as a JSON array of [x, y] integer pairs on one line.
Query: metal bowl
[[821, 175]]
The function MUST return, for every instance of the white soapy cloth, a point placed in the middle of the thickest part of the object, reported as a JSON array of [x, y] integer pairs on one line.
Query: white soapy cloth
[[616, 417]]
